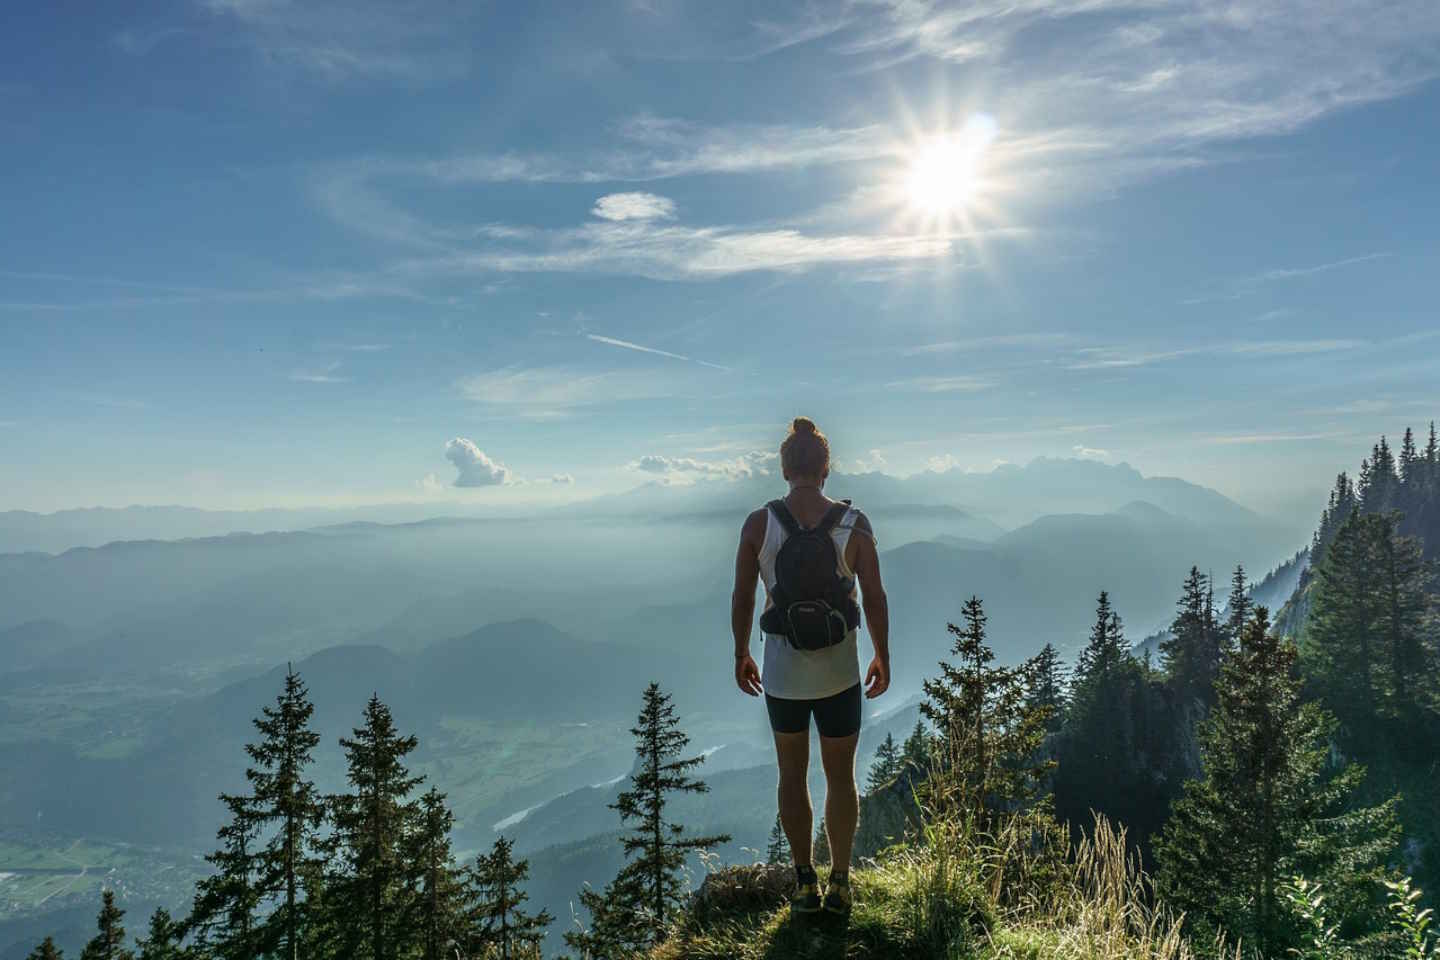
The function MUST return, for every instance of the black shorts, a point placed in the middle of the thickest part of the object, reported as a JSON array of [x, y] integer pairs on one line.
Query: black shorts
[[836, 716]]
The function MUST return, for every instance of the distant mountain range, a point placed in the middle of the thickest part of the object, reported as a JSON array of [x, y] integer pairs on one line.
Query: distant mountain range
[[1006, 497]]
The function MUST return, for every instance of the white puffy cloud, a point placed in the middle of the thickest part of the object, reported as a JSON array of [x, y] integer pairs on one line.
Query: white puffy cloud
[[562, 480], [942, 464], [1090, 453], [755, 463], [634, 206], [873, 462], [474, 468]]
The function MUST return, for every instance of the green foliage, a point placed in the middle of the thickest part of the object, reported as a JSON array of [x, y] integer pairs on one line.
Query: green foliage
[[989, 730], [109, 942], [777, 849], [223, 916], [46, 951], [437, 907], [163, 938], [370, 886], [1191, 656], [499, 920], [638, 905], [1409, 921], [1047, 687], [887, 764], [283, 796], [1319, 939], [916, 754], [1269, 807]]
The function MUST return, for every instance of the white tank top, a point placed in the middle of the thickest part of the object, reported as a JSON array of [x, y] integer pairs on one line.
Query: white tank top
[[791, 674]]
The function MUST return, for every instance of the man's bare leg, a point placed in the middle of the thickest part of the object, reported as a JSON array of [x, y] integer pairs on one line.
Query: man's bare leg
[[842, 799], [792, 752]]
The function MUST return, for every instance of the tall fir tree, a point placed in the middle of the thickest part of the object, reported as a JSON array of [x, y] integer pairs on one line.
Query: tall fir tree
[[644, 897], [1047, 690], [1268, 808], [285, 798], [916, 753], [777, 849], [437, 919], [223, 916], [886, 766], [162, 941], [1099, 748], [498, 916], [1237, 610], [1369, 652], [109, 940], [369, 886], [47, 951], [1191, 654], [989, 736]]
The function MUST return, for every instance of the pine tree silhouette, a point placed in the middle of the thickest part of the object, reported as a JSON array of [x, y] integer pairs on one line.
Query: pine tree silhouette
[[498, 917], [437, 919], [284, 796], [1237, 610], [1047, 688], [916, 753], [46, 951], [1266, 808], [990, 737], [369, 886], [109, 942], [777, 849], [1191, 655], [223, 914], [886, 766], [162, 940], [1366, 651], [638, 905]]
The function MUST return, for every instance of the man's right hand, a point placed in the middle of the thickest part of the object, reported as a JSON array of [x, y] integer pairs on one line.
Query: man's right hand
[[747, 675]]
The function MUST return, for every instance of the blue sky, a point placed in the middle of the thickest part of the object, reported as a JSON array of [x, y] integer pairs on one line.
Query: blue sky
[[269, 253]]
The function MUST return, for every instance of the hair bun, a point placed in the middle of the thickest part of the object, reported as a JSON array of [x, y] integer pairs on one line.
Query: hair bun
[[803, 425]]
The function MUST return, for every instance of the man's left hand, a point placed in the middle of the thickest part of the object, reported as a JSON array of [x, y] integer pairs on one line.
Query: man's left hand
[[877, 678]]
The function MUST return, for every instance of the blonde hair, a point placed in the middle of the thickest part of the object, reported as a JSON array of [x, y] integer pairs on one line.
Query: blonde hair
[[805, 453]]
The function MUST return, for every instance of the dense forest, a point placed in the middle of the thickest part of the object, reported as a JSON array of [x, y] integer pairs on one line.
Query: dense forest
[[1260, 790]]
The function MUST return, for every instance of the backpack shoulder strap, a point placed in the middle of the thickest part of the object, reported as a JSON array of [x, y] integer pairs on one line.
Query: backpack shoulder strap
[[786, 518], [833, 516]]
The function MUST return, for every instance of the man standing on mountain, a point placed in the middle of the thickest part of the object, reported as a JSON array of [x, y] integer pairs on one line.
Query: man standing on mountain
[[810, 551]]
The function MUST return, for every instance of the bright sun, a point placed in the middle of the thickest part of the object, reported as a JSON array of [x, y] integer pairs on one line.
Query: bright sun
[[945, 170]]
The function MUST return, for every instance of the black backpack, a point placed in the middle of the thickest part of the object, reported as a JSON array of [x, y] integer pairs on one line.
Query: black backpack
[[813, 607]]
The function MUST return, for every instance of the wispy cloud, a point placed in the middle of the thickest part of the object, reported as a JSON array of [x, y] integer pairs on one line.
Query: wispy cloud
[[324, 374], [1241, 286], [544, 393], [955, 384], [997, 342], [634, 206], [346, 40], [1106, 358], [681, 253], [1248, 438], [627, 345]]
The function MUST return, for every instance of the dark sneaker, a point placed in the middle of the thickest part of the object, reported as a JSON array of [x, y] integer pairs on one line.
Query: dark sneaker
[[805, 900], [837, 898]]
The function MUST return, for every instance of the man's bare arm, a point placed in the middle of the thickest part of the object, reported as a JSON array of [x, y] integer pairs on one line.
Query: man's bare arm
[[875, 604], [742, 601]]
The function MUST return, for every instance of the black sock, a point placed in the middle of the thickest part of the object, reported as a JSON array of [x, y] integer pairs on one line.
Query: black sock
[[805, 874], [840, 877]]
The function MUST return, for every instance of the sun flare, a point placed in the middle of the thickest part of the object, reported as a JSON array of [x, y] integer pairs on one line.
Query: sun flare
[[945, 173]]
